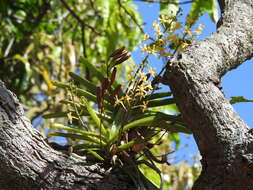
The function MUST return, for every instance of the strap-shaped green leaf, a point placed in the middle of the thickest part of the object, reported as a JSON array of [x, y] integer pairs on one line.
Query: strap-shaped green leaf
[[79, 91], [61, 84], [76, 136], [174, 127], [86, 146], [75, 130], [55, 115], [95, 118], [158, 95], [147, 183], [95, 154], [161, 102], [140, 122], [89, 85], [127, 145], [93, 69], [84, 93]]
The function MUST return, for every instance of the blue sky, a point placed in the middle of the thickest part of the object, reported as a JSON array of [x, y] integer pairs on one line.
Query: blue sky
[[235, 83]]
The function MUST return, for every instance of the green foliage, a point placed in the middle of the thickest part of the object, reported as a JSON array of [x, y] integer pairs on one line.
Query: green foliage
[[121, 126], [238, 99], [199, 7], [105, 109], [44, 40], [169, 9]]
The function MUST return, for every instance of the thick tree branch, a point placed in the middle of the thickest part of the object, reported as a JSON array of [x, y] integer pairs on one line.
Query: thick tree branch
[[224, 140], [28, 162]]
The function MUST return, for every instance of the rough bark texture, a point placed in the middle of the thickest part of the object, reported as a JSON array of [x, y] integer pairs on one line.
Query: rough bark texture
[[28, 162], [224, 140]]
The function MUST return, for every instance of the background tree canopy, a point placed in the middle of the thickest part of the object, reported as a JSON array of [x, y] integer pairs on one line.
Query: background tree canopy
[[43, 41]]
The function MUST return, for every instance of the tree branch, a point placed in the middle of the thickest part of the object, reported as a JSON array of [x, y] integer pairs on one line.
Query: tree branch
[[194, 78], [78, 18], [28, 162], [131, 16]]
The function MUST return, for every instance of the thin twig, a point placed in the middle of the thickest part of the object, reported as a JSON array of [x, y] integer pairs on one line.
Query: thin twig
[[40, 113], [76, 110], [94, 8], [83, 41], [72, 12], [131, 16], [136, 72]]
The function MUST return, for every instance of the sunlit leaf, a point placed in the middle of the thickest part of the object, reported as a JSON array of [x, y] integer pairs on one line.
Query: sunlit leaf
[[90, 86], [127, 145], [75, 130], [238, 99], [169, 9], [199, 7], [95, 154], [150, 177], [55, 115], [140, 122], [174, 137], [76, 136], [95, 117], [78, 91]]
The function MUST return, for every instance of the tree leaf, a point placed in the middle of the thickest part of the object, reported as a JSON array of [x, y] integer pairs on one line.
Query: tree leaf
[[95, 154], [144, 121], [76, 136], [86, 146], [160, 102], [199, 7], [78, 91], [238, 99], [71, 129], [169, 9], [158, 95], [89, 85], [127, 145], [95, 118], [174, 127], [93, 69], [55, 115], [175, 138]]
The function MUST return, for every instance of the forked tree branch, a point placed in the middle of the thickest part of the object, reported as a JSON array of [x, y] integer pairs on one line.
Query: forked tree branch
[[28, 162], [224, 140]]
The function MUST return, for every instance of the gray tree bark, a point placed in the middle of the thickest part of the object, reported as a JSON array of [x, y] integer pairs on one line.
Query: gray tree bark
[[28, 162], [224, 140]]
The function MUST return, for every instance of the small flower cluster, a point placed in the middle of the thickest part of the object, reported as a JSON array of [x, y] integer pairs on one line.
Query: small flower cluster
[[138, 91], [138, 87], [170, 37]]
